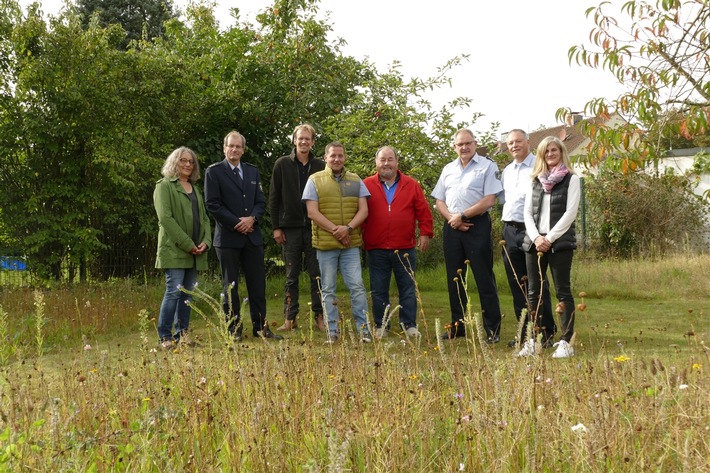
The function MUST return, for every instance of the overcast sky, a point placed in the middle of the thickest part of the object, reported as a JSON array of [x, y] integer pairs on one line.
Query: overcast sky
[[518, 73]]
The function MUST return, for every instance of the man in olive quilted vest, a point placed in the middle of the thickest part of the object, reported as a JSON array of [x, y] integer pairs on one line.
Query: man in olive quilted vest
[[336, 200]]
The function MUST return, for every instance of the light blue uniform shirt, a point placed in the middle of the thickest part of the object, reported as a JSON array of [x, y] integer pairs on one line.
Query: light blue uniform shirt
[[460, 187]]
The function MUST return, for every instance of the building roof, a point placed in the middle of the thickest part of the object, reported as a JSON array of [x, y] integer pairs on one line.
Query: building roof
[[569, 133]]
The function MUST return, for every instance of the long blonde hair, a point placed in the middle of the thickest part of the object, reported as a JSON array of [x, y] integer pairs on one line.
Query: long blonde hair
[[540, 165]]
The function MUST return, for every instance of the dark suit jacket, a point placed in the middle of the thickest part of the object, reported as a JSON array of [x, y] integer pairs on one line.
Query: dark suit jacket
[[227, 202]]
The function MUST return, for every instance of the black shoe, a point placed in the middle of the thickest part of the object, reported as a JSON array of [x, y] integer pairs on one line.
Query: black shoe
[[267, 333], [512, 343], [493, 339], [452, 335]]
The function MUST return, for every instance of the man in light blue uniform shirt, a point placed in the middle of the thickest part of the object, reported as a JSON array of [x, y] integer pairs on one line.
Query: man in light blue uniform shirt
[[516, 182], [464, 193]]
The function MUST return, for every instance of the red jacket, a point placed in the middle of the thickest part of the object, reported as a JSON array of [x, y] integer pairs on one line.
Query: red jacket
[[393, 227]]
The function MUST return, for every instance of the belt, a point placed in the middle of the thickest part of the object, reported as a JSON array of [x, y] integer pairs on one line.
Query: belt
[[518, 225]]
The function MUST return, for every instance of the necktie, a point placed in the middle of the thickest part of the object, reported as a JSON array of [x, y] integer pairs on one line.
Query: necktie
[[238, 175]]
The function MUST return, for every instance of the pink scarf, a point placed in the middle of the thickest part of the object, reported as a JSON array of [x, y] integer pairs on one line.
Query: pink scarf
[[548, 179]]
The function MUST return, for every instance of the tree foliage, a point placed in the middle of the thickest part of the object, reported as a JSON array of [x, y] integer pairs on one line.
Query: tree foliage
[[140, 19], [86, 124], [659, 51]]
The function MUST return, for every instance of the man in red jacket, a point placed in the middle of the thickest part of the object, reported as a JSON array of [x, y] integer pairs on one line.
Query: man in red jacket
[[396, 207]]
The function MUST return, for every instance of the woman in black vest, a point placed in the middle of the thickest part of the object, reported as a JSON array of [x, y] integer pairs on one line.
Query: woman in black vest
[[550, 211]]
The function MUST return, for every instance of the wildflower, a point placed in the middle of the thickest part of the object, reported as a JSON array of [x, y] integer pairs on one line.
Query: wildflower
[[683, 386], [540, 407], [458, 395], [582, 294], [461, 467], [580, 428], [233, 283], [582, 307], [196, 284], [696, 366], [622, 359], [466, 418], [179, 286], [87, 347], [548, 380], [501, 243], [203, 380], [459, 271], [154, 350], [412, 376], [396, 252], [467, 262], [88, 304]]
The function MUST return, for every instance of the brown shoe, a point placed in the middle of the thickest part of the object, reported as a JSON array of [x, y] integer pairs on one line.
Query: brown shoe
[[288, 325], [320, 323]]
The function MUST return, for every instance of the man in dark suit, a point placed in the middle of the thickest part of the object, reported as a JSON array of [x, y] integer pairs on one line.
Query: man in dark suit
[[233, 196]]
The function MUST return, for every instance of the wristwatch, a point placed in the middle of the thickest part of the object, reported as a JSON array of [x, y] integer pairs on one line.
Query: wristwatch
[[350, 229]]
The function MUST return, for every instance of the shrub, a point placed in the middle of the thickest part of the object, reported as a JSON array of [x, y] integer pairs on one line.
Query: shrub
[[640, 214]]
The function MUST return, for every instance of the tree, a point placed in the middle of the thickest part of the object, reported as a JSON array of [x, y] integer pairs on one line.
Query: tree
[[140, 19], [85, 125], [660, 52]]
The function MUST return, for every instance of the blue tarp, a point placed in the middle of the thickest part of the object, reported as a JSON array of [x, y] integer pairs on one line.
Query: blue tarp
[[12, 263]]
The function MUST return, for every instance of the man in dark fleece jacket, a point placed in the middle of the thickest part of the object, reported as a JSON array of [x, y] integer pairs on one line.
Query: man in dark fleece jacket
[[291, 225]]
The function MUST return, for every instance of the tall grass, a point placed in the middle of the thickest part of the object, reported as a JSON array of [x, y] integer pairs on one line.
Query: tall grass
[[119, 404]]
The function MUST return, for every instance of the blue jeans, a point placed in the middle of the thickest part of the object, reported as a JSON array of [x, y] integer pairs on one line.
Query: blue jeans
[[382, 264], [348, 260], [174, 305]]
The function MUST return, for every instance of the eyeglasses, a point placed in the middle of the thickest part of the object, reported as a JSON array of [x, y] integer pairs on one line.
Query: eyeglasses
[[235, 146], [185, 162], [464, 144]]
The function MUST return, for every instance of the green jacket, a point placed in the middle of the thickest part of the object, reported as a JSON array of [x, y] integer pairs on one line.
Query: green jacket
[[174, 209]]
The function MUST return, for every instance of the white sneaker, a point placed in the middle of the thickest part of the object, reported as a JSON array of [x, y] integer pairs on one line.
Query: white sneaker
[[528, 348], [412, 332], [366, 339], [564, 350]]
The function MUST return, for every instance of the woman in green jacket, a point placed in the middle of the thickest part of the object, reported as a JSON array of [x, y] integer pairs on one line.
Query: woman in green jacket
[[183, 240]]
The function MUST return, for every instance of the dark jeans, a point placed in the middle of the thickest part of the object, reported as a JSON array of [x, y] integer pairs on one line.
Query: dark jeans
[[560, 264], [516, 270], [382, 264], [298, 251], [474, 245], [250, 261]]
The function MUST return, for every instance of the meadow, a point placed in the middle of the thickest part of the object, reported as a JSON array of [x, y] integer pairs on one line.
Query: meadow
[[85, 387]]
